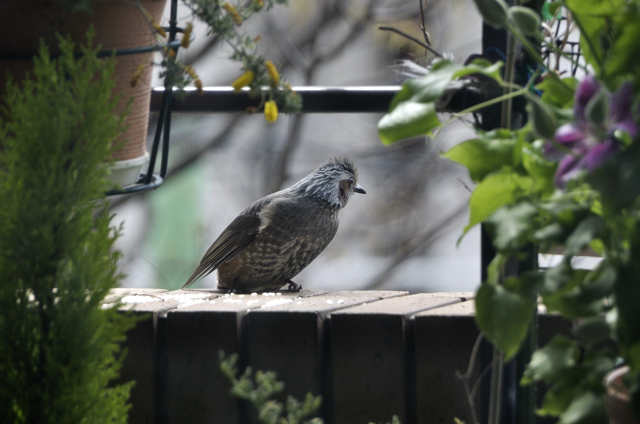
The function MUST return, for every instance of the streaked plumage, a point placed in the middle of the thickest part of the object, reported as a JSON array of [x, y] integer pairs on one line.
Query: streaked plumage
[[277, 236]]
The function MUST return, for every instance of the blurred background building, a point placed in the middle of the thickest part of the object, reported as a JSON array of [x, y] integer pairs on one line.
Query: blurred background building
[[401, 235]]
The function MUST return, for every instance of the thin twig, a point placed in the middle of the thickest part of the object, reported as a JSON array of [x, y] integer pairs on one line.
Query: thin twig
[[423, 28], [410, 37], [508, 77], [466, 378], [495, 396]]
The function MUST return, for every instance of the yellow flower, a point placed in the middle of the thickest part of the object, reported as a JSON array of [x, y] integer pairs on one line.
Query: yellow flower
[[270, 111], [273, 73], [198, 85], [158, 28], [242, 81], [237, 19], [137, 75], [186, 35], [191, 72]]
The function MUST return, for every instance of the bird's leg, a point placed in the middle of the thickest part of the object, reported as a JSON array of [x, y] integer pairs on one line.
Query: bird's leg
[[232, 291], [293, 287]]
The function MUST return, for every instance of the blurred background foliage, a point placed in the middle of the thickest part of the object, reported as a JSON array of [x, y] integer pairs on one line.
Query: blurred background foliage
[[402, 235]]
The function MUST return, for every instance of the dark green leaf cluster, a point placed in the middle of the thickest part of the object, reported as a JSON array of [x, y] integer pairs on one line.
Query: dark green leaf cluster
[[259, 389], [517, 201], [568, 181], [59, 348]]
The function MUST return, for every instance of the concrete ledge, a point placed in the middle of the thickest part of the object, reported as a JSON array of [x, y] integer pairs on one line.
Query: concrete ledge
[[370, 354]]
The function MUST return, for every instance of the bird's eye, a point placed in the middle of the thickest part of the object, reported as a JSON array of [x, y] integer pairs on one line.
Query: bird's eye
[[351, 181]]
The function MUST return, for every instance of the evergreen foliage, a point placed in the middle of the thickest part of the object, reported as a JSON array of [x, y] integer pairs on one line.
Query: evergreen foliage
[[59, 347], [258, 390]]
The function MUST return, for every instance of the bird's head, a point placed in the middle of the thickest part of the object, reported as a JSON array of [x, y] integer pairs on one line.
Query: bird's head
[[335, 182]]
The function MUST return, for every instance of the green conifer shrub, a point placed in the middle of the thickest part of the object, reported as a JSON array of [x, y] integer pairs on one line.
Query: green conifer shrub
[[59, 349]]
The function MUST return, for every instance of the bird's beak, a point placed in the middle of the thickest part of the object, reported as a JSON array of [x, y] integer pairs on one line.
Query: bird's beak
[[359, 189]]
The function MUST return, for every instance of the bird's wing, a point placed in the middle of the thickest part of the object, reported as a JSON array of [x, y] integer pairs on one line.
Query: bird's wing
[[233, 240]]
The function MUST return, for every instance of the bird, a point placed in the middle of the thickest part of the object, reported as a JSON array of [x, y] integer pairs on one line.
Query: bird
[[277, 236]]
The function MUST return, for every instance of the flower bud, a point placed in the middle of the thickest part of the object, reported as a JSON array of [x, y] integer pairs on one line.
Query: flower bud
[[542, 118], [186, 36], [270, 111], [527, 20], [494, 12], [273, 73], [233, 12], [597, 109], [242, 81]]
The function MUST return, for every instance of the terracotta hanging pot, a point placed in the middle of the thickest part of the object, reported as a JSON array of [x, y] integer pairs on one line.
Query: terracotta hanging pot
[[618, 402], [118, 25]]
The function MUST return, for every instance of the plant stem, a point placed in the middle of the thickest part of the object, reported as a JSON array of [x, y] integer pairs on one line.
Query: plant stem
[[495, 397], [533, 53], [508, 77], [520, 92]]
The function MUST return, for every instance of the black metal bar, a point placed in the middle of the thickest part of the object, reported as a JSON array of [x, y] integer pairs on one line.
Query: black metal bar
[[155, 182], [165, 137], [314, 99], [156, 138]]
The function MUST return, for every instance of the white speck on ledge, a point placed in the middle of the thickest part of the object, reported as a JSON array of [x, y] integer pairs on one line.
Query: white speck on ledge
[[229, 300], [276, 302], [135, 298], [330, 302]]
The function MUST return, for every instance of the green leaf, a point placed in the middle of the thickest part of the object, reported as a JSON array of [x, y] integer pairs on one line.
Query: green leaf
[[525, 19], [540, 169], [483, 155], [587, 230], [550, 362], [592, 330], [596, 34], [597, 8], [511, 225], [503, 317], [494, 12], [623, 57], [559, 277], [618, 179], [496, 190], [556, 400], [528, 284], [550, 10], [412, 111], [569, 292], [596, 111], [586, 408], [542, 118], [555, 94], [408, 119]]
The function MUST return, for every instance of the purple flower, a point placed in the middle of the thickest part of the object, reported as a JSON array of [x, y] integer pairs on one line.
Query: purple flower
[[583, 145]]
